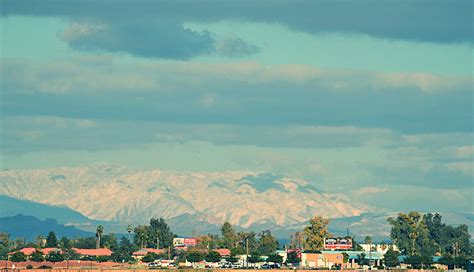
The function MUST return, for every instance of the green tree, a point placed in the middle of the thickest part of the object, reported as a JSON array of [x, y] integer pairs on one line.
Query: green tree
[[267, 244], [102, 259], [70, 254], [109, 241], [150, 257], [411, 234], [231, 259], [18, 257], [254, 258], [297, 240], [129, 231], [390, 259], [39, 241], [419, 262], [345, 257], [86, 242], [98, 235], [229, 237], [275, 258], [368, 240], [65, 243], [362, 260], [315, 233], [141, 235], [54, 257], [213, 257], [209, 241], [37, 256], [159, 234], [194, 256], [293, 258], [51, 240]]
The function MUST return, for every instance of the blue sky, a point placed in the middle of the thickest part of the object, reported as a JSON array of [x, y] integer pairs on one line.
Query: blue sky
[[372, 98]]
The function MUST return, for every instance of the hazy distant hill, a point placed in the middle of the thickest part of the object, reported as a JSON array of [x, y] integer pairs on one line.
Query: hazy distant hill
[[65, 216], [29, 227], [12, 206]]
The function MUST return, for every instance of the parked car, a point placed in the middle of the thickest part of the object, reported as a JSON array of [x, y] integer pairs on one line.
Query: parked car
[[153, 264], [270, 266]]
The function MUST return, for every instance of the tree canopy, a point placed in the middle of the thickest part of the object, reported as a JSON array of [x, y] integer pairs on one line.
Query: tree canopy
[[315, 233], [424, 235], [51, 240]]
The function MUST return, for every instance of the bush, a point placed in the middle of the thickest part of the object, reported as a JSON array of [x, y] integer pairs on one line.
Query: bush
[[54, 257], [29, 266], [102, 259], [150, 257], [45, 267], [37, 256], [18, 257]]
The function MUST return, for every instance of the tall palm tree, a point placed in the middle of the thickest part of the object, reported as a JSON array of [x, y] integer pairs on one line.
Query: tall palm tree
[[98, 234], [129, 230]]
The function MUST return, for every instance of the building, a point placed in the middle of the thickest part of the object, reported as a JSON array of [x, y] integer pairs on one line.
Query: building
[[138, 255], [30, 250], [374, 257], [381, 248], [327, 259], [93, 252], [223, 252]]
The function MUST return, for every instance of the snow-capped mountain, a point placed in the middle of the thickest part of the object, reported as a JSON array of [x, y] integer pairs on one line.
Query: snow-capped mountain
[[116, 193]]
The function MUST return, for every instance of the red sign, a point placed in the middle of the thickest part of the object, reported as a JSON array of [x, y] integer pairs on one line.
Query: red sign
[[190, 241], [338, 243]]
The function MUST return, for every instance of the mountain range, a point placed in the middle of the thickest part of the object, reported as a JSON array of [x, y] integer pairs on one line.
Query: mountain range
[[192, 202]]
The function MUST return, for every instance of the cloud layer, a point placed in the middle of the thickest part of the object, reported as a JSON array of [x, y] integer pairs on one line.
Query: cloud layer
[[238, 93], [155, 28]]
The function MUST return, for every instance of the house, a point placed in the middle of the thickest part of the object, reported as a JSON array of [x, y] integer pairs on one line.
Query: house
[[223, 252], [93, 252], [381, 248], [30, 250], [373, 257], [327, 259], [138, 255]]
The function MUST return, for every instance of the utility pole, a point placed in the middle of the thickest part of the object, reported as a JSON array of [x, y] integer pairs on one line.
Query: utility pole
[[247, 251]]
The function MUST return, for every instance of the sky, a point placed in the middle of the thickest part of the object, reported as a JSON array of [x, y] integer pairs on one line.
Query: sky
[[371, 98]]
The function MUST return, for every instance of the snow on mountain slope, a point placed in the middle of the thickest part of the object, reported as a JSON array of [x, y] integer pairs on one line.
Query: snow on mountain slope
[[108, 192]]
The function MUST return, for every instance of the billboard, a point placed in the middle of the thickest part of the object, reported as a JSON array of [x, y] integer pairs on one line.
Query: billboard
[[181, 242], [343, 243]]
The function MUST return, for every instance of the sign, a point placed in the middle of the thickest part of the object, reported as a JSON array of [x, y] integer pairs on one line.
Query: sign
[[338, 243], [181, 242]]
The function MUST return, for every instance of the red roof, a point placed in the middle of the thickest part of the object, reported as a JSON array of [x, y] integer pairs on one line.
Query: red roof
[[48, 250], [144, 251], [30, 250], [93, 252], [223, 251]]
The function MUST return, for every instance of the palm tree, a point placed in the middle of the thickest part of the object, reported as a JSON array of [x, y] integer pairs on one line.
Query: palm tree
[[129, 230], [98, 234]]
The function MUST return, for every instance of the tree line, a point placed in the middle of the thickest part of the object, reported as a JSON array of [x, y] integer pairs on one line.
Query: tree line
[[418, 236]]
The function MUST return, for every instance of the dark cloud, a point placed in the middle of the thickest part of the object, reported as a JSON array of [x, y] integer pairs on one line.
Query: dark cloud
[[164, 39], [143, 27], [236, 48]]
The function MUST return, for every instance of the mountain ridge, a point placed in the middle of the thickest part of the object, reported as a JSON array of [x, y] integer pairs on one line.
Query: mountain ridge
[[114, 193]]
